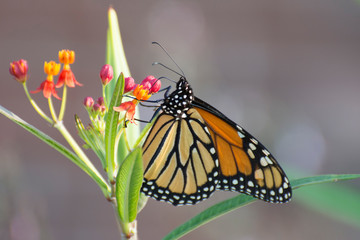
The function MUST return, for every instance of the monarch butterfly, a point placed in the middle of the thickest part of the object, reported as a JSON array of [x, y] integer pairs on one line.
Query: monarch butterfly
[[193, 149]]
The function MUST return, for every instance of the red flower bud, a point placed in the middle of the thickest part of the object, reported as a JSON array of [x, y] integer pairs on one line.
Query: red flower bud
[[106, 74], [19, 70], [96, 108], [152, 84], [88, 102], [129, 84], [100, 101], [146, 85], [155, 86], [149, 78], [102, 109]]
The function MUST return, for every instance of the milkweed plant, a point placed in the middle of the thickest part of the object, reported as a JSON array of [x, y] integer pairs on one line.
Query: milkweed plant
[[112, 132]]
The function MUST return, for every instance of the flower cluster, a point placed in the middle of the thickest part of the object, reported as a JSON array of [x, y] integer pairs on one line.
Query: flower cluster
[[93, 108], [19, 70], [141, 92], [97, 110]]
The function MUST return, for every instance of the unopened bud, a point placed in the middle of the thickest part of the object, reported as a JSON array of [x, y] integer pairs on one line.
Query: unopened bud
[[19, 70], [155, 86], [106, 74], [100, 101], [88, 102], [129, 84]]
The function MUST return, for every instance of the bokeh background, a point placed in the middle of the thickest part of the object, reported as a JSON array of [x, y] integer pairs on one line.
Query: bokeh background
[[287, 71]]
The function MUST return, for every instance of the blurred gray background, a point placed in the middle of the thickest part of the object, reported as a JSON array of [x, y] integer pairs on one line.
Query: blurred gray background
[[287, 71]]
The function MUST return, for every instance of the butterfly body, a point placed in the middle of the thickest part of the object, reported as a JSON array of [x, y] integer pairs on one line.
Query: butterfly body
[[193, 149], [179, 101]]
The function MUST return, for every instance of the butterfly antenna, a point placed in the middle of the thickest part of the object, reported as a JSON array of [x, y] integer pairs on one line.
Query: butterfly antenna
[[167, 79], [183, 74], [157, 63]]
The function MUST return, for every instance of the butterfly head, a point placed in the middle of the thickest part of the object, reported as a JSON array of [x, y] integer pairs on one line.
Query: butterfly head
[[179, 101]]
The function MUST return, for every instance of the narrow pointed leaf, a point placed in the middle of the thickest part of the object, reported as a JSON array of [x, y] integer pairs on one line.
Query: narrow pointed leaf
[[233, 203], [57, 146], [117, 59], [115, 51], [112, 126], [128, 184], [333, 200]]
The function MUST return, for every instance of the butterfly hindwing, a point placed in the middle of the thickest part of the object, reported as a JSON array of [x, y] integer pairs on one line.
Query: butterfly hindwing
[[245, 165], [180, 162]]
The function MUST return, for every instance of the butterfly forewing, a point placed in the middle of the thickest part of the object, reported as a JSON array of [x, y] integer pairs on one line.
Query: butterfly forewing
[[245, 164], [180, 162]]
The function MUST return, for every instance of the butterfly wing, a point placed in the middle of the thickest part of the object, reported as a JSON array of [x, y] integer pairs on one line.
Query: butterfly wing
[[246, 166], [180, 162]]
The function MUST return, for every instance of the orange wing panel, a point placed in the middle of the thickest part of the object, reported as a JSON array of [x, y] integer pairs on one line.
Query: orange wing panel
[[228, 144], [242, 161], [226, 157], [221, 128]]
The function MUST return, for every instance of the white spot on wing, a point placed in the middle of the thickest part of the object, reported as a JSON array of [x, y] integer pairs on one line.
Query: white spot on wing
[[252, 146], [207, 130], [263, 162], [268, 160], [266, 152], [241, 135]]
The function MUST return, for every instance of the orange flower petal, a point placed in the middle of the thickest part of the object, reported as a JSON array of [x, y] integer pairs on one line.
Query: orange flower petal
[[67, 77], [129, 107], [48, 89]]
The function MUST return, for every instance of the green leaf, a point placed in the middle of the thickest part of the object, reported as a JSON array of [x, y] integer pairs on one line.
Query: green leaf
[[128, 183], [233, 203], [112, 126], [335, 201], [115, 52], [301, 182], [142, 202], [117, 59], [57, 146]]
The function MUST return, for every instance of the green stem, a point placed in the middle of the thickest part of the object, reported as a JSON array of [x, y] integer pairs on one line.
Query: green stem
[[127, 142], [128, 231], [117, 139], [63, 103], [104, 97], [77, 149], [118, 221], [36, 107], [52, 110]]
